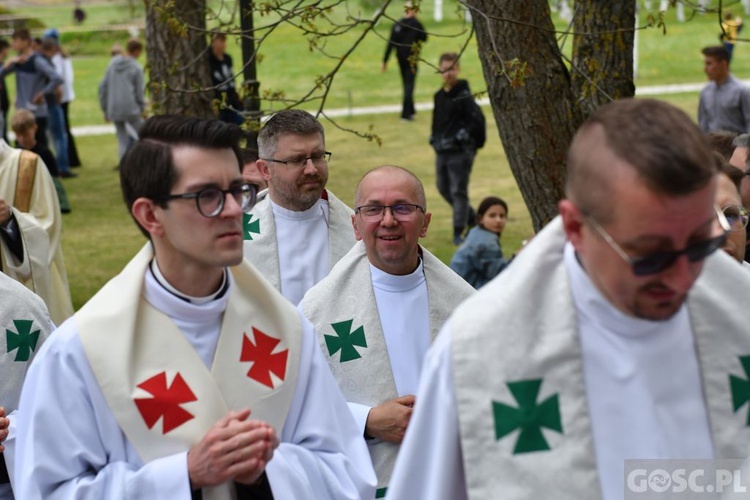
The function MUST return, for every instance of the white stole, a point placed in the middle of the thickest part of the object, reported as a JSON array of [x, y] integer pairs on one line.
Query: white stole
[[343, 309], [144, 364], [515, 346], [262, 249]]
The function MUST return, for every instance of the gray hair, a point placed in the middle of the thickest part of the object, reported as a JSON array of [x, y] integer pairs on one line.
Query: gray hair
[[741, 141], [286, 122]]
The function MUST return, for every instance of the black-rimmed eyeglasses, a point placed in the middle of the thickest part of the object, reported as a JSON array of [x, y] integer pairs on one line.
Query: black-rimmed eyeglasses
[[402, 212], [210, 201], [318, 159], [659, 261]]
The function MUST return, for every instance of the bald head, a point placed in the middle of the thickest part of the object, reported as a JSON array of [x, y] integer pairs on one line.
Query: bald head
[[388, 170]]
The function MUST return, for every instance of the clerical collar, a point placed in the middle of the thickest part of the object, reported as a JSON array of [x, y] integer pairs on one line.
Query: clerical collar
[[590, 302], [314, 212], [156, 272], [397, 283]]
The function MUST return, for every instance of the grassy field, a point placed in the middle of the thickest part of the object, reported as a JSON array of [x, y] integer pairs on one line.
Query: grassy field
[[99, 236]]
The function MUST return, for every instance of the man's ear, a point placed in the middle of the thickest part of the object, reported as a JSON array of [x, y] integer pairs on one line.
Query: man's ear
[[264, 169], [423, 230], [356, 229], [144, 212], [572, 222]]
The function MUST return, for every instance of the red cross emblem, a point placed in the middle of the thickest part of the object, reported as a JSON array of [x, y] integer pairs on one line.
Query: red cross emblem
[[264, 360], [166, 402]]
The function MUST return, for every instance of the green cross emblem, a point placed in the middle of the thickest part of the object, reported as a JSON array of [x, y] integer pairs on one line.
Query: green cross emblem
[[740, 387], [25, 340], [345, 340], [530, 417], [249, 227]]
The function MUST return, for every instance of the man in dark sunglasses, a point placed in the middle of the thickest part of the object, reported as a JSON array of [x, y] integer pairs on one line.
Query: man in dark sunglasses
[[148, 390], [618, 333]]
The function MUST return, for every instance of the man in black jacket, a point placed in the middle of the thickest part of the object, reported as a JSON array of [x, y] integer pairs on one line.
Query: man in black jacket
[[454, 142], [407, 36]]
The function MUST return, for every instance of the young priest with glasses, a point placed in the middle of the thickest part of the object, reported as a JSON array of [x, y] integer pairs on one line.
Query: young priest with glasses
[[187, 376]]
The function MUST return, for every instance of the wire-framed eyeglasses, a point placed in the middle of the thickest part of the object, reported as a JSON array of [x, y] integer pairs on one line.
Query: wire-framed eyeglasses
[[317, 159], [402, 212], [659, 261], [210, 201], [737, 217]]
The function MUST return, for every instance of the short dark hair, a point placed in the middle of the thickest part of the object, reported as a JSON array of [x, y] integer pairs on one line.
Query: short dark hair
[[21, 34], [722, 142], [718, 52], [489, 202], [723, 167], [147, 170], [450, 57], [635, 131], [4, 44], [133, 46], [286, 122]]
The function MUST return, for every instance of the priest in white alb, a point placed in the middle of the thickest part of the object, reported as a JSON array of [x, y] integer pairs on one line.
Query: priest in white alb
[[397, 297], [618, 333], [300, 230], [24, 326], [30, 230], [187, 376]]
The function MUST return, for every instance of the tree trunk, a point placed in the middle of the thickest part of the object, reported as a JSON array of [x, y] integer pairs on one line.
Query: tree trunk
[[536, 102], [603, 52], [531, 96], [177, 61]]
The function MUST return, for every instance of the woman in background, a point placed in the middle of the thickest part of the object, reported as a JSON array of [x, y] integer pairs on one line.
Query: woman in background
[[480, 257]]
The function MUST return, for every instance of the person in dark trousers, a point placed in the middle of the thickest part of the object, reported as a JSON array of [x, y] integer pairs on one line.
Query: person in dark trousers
[[452, 140], [407, 37]]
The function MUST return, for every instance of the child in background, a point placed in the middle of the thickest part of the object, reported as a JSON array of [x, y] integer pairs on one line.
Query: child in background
[[24, 126], [480, 257]]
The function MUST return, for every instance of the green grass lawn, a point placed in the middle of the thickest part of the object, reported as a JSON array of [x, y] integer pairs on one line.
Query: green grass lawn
[[287, 64], [99, 236]]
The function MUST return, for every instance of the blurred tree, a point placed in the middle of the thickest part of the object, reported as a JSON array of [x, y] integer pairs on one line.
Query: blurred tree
[[538, 97]]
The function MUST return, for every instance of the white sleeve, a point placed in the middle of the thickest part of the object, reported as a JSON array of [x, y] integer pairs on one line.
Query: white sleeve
[[360, 413], [429, 464], [70, 446], [322, 453]]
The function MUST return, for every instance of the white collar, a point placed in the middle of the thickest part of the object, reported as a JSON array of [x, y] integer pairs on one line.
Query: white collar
[[397, 283], [314, 212], [220, 292]]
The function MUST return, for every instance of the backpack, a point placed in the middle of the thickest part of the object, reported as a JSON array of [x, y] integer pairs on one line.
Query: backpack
[[477, 125]]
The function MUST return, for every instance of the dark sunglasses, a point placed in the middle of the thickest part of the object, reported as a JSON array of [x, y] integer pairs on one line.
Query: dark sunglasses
[[659, 261]]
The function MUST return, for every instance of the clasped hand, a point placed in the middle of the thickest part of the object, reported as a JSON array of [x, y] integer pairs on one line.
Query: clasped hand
[[234, 449]]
